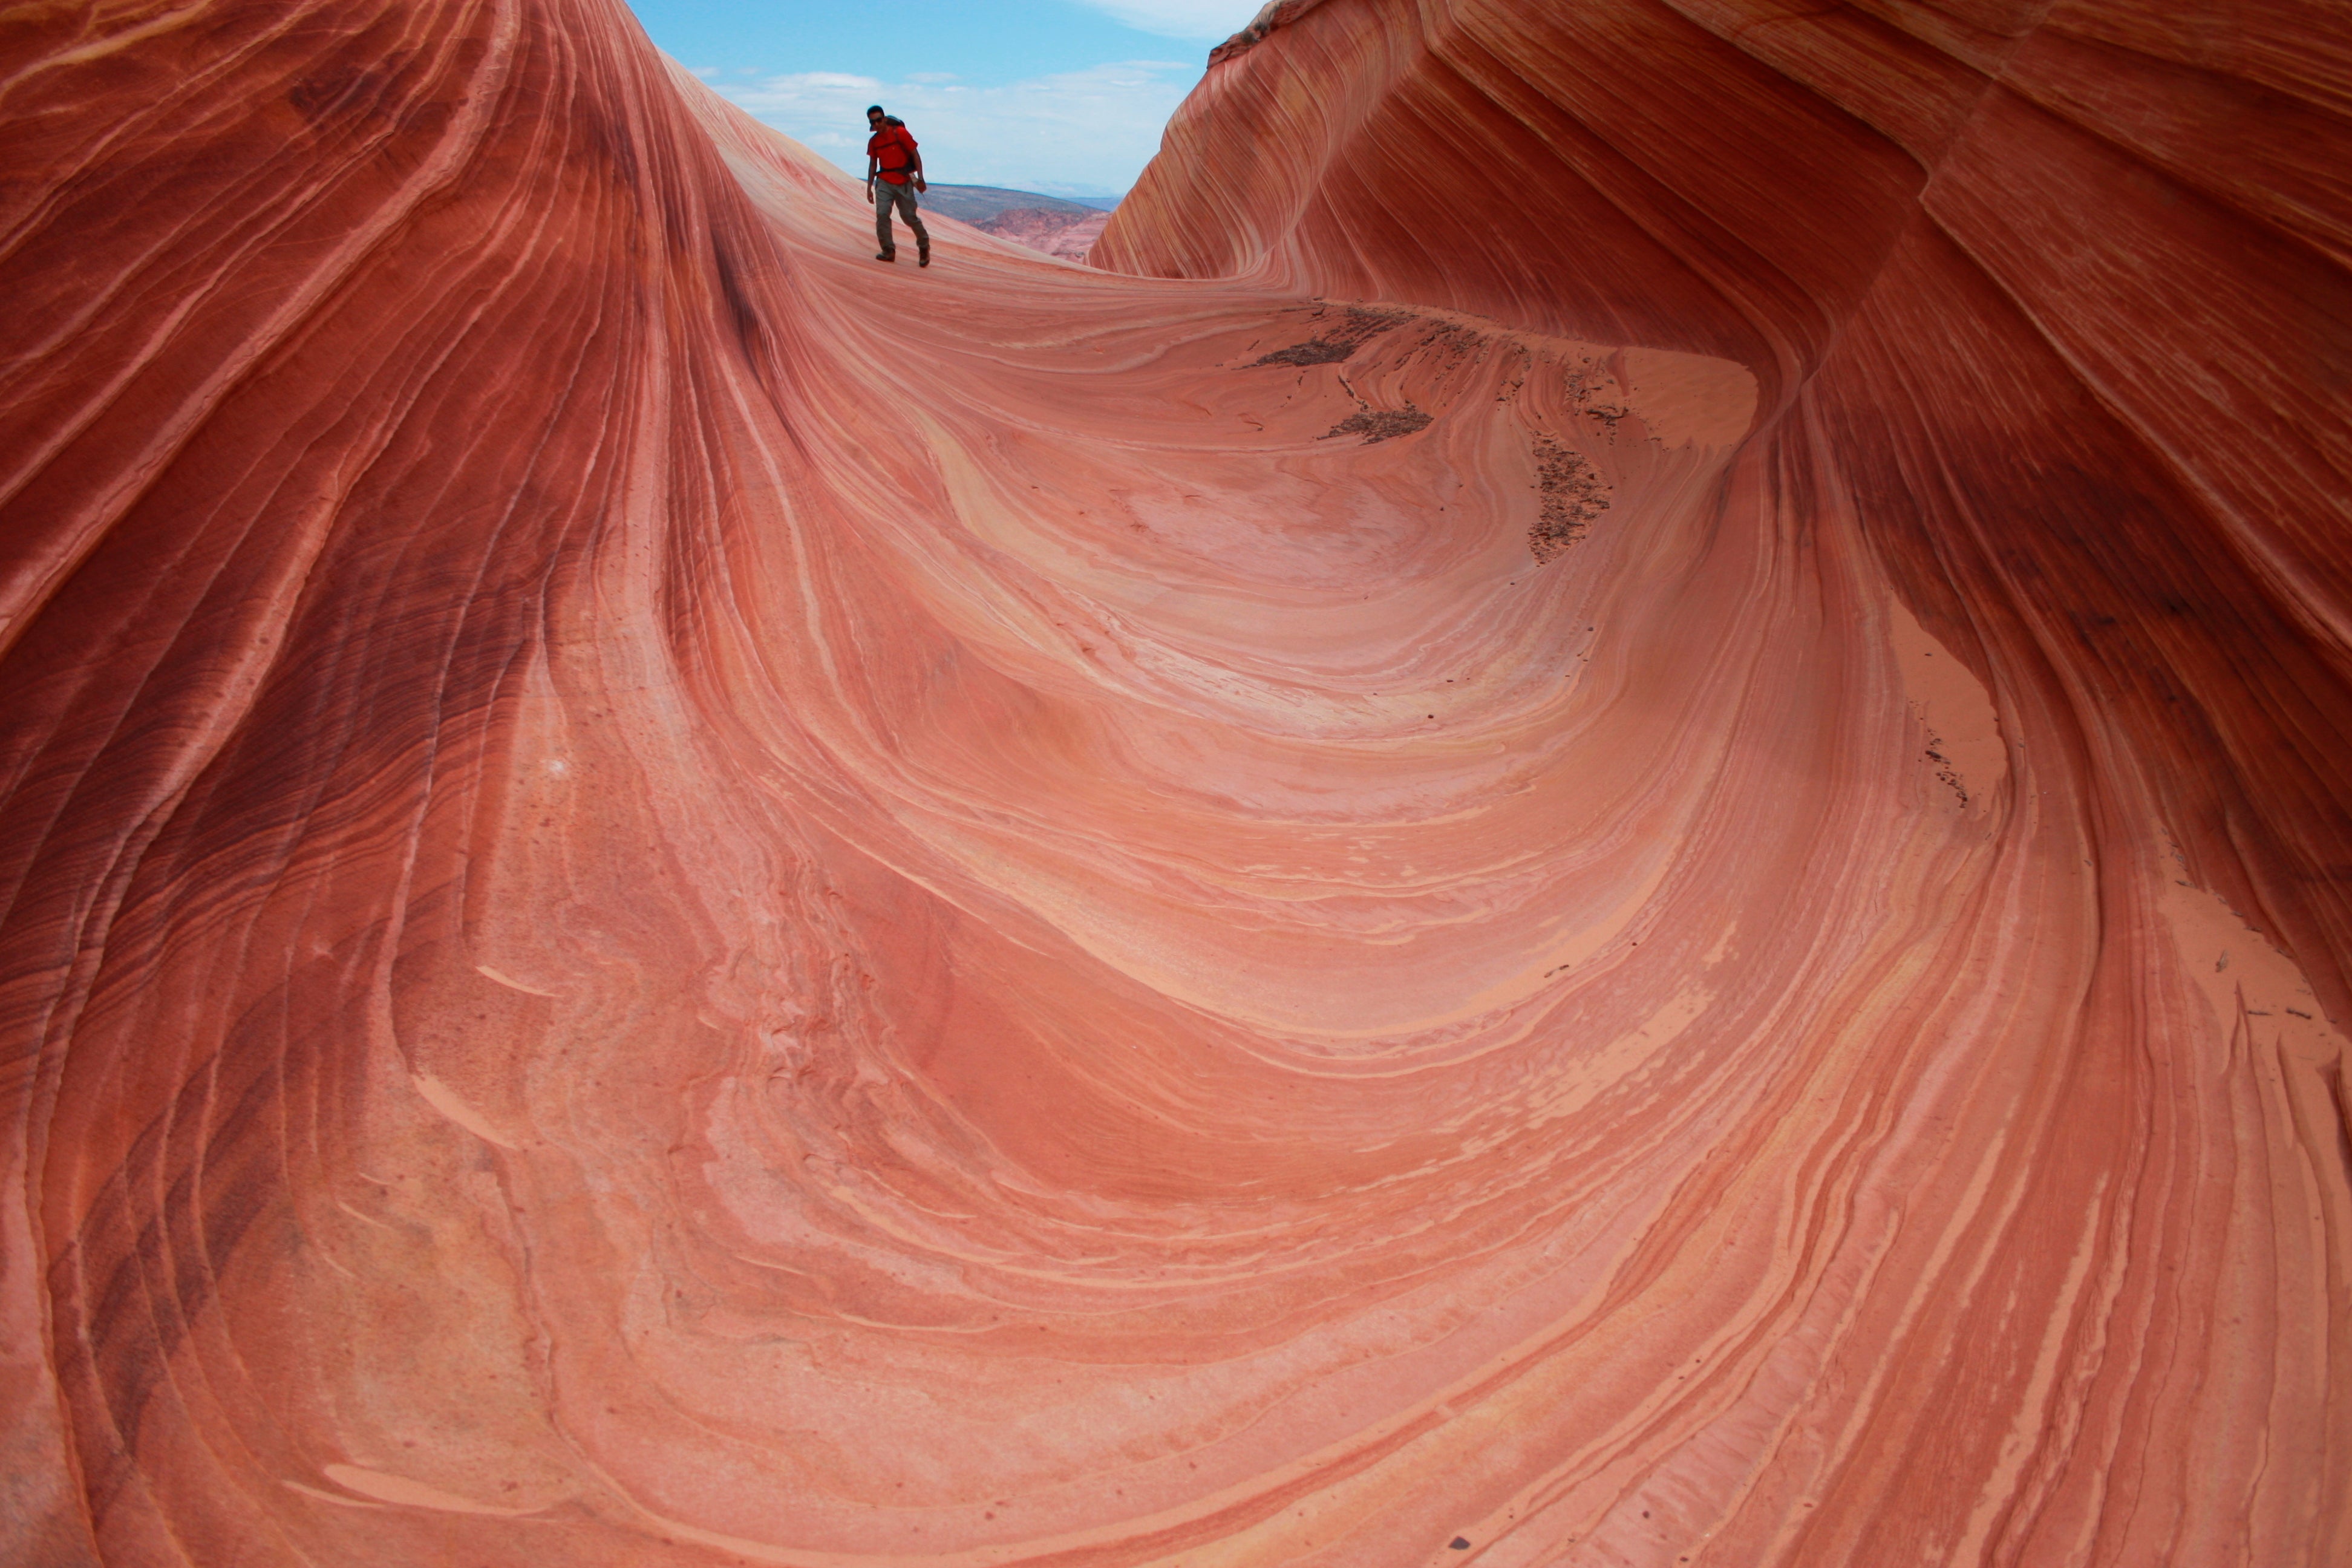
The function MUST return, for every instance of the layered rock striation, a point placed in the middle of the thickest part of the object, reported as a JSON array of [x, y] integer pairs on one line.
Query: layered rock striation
[[1596, 825]]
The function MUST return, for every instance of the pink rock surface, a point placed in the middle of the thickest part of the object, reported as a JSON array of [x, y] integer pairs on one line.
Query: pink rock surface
[[673, 898]]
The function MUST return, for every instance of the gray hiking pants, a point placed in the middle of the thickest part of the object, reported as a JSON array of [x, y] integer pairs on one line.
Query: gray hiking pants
[[887, 195]]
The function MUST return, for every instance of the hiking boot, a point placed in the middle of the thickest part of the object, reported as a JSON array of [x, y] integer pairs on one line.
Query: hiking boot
[[923, 254], [886, 256]]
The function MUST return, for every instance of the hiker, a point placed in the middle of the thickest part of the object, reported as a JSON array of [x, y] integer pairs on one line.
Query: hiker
[[891, 154]]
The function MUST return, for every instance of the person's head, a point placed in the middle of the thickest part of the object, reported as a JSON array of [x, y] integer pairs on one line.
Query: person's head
[[874, 115]]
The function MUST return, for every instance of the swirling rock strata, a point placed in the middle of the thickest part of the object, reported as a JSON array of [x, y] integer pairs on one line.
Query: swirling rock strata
[[675, 898]]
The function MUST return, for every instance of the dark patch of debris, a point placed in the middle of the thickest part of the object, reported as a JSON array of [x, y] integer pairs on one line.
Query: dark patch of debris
[[1943, 769], [1314, 351], [1573, 495], [1378, 424], [1355, 327], [1584, 385], [1449, 341]]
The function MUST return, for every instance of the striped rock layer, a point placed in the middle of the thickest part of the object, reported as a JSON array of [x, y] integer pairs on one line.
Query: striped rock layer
[[1599, 823]]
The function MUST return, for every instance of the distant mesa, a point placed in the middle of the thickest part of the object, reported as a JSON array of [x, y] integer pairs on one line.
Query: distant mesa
[[1058, 225], [977, 204]]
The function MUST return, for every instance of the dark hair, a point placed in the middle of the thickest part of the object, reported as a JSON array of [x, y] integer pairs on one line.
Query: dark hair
[[873, 109]]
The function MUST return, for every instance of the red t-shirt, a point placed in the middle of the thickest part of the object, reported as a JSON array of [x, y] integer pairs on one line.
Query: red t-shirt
[[894, 150]]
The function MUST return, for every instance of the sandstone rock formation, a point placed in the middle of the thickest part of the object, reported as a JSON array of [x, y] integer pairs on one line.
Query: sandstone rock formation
[[1653, 874]]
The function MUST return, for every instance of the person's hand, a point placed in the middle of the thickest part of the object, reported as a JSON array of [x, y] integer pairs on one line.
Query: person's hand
[[918, 184]]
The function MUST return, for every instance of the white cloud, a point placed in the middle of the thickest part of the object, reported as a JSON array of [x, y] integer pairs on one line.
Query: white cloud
[[831, 81], [1214, 20], [1086, 131]]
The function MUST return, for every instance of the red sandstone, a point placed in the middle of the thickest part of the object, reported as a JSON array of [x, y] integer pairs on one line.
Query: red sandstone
[[673, 898]]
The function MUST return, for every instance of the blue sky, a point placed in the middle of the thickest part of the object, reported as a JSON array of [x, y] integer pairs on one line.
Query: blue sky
[[1063, 96]]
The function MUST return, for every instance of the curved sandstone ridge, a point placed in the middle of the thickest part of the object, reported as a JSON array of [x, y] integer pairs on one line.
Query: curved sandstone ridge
[[1633, 856]]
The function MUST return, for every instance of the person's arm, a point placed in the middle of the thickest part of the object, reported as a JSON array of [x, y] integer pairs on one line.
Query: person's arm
[[872, 163], [916, 153]]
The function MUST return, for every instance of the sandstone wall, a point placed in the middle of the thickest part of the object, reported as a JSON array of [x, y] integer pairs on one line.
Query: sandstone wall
[[1663, 884]]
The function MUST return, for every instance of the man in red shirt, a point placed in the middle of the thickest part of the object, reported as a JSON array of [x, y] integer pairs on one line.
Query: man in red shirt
[[891, 161]]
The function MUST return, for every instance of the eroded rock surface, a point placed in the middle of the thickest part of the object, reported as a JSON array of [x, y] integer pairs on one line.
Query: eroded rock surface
[[673, 898]]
